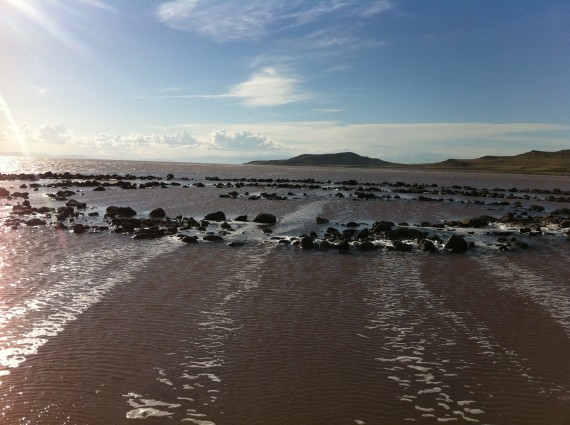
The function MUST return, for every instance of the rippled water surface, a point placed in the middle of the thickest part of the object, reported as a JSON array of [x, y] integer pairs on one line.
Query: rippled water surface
[[102, 329]]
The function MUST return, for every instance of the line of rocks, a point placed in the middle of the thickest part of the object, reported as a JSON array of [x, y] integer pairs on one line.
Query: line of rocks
[[381, 235], [361, 190]]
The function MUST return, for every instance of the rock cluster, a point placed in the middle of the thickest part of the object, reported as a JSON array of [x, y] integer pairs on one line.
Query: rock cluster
[[73, 215]]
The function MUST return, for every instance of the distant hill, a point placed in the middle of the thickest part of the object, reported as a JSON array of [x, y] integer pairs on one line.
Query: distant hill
[[530, 162], [342, 159]]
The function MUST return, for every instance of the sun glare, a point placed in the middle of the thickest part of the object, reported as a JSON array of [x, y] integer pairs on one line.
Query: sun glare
[[28, 21], [13, 132]]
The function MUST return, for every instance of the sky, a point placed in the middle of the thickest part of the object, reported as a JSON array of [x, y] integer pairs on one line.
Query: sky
[[224, 81]]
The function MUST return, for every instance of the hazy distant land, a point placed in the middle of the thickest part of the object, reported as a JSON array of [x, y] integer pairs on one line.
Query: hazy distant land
[[529, 162]]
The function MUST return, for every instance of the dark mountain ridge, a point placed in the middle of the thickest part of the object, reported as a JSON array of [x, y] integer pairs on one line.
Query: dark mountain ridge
[[530, 162], [344, 159]]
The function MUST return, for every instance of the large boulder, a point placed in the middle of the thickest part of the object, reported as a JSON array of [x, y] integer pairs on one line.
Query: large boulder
[[79, 228], [265, 218], [216, 216], [120, 211], [65, 213], [456, 244], [426, 245], [307, 242], [157, 213], [4, 193], [382, 226]]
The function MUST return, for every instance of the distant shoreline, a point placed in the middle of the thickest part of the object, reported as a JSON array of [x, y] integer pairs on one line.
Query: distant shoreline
[[530, 163], [533, 162]]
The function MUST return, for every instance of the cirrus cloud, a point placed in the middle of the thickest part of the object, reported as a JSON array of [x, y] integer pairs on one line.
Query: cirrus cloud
[[226, 21]]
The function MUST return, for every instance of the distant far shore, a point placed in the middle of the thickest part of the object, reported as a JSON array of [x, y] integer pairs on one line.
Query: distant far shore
[[533, 162]]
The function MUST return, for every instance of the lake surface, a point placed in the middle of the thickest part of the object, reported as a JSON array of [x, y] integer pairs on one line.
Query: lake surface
[[98, 328]]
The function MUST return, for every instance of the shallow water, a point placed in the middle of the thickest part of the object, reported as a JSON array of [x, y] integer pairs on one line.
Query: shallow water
[[102, 329]]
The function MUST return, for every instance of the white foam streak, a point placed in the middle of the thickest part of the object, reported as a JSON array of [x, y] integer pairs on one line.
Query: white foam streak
[[29, 326]]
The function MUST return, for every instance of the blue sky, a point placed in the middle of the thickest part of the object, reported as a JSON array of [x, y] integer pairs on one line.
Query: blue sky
[[232, 81]]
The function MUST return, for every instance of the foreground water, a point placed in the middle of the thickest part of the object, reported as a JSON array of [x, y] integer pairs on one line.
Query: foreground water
[[98, 328]]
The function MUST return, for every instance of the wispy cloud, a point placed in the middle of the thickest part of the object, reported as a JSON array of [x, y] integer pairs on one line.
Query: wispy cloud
[[100, 5], [335, 39], [226, 21], [329, 110], [267, 87], [220, 21]]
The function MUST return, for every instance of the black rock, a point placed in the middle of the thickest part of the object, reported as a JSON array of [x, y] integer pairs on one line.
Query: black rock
[[79, 228], [402, 247], [265, 218], [382, 226], [226, 226], [188, 238], [120, 211], [426, 245], [216, 216], [157, 213], [307, 242], [149, 233], [456, 244], [404, 233], [236, 244], [65, 212], [76, 204], [36, 222]]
